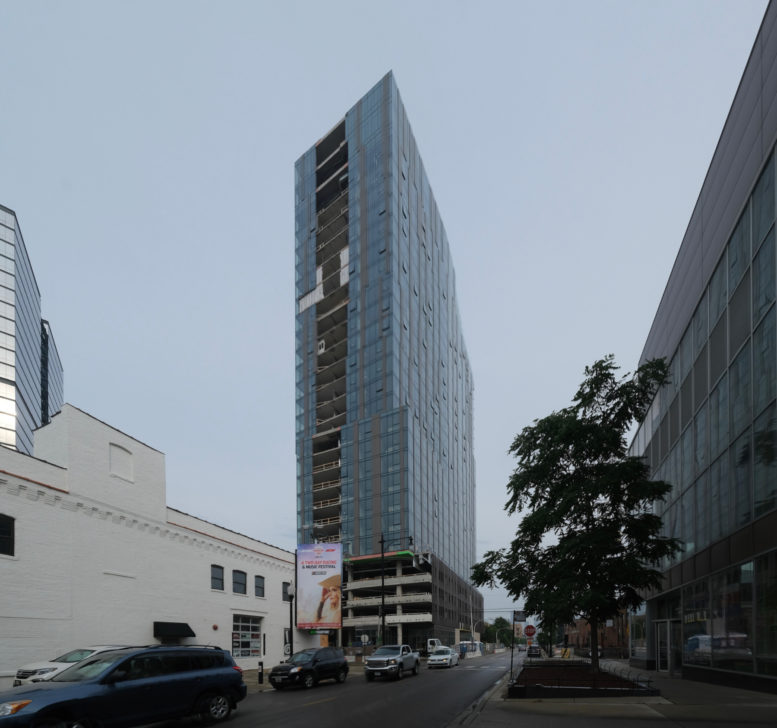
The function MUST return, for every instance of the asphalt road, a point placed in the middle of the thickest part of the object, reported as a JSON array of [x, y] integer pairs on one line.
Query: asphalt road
[[433, 699]]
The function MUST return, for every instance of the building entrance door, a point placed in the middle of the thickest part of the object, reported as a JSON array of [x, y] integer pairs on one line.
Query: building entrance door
[[662, 646], [668, 646], [675, 644]]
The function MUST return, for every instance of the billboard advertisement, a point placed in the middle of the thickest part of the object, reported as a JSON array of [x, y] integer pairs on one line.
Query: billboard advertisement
[[319, 578]]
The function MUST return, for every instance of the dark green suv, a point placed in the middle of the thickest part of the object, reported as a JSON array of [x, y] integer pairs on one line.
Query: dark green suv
[[130, 687]]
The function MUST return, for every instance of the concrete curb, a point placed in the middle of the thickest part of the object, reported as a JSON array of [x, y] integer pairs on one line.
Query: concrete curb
[[472, 714]]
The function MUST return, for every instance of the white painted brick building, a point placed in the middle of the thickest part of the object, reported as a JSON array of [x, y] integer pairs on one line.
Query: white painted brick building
[[90, 554]]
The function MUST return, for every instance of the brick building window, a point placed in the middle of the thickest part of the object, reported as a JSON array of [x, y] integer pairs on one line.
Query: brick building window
[[6, 535], [239, 582], [217, 577]]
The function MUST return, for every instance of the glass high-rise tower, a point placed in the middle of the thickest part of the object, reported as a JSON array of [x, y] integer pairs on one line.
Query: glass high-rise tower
[[31, 377], [384, 389]]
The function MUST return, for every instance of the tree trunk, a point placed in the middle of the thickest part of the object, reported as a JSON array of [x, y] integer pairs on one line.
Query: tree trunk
[[594, 623]]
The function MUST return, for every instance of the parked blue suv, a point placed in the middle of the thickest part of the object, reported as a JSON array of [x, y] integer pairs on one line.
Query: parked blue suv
[[129, 687]]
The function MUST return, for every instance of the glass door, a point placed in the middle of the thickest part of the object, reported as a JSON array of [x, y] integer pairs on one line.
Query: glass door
[[662, 646], [676, 641]]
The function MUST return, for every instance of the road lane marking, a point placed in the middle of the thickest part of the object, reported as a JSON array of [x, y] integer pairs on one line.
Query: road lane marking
[[318, 702]]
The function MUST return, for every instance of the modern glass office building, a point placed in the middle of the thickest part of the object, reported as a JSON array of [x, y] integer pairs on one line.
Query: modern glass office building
[[712, 431], [384, 388], [31, 376]]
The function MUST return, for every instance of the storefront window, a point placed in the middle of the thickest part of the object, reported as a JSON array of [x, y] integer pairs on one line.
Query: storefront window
[[639, 634], [246, 636], [732, 619], [766, 609], [696, 612]]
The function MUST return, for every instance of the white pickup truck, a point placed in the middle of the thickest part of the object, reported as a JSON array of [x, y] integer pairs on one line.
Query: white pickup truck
[[391, 661]]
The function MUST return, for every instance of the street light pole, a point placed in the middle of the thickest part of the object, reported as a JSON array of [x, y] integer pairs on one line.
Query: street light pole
[[290, 592], [512, 649]]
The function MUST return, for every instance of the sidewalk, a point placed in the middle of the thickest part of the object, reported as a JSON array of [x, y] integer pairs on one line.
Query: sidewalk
[[681, 701]]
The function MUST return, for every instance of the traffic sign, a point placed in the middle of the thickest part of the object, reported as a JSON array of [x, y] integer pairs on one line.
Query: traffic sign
[[530, 630]]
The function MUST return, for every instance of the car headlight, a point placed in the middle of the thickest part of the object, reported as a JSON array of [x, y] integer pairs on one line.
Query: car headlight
[[392, 662], [13, 707], [294, 669], [45, 670]]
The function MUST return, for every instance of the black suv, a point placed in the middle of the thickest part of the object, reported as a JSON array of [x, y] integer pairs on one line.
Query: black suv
[[306, 668], [129, 687]]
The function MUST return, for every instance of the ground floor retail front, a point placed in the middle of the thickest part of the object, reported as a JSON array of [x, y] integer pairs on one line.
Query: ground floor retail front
[[721, 627]]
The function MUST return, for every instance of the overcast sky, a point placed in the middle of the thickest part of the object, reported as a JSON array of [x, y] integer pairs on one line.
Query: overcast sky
[[148, 151]]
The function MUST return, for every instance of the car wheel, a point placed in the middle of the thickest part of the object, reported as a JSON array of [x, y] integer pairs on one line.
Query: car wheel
[[369, 676], [341, 675], [415, 669], [309, 680], [399, 673], [214, 708]]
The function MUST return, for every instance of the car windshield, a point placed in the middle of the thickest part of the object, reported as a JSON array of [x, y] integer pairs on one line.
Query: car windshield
[[442, 651], [89, 668], [387, 650], [300, 658], [74, 656]]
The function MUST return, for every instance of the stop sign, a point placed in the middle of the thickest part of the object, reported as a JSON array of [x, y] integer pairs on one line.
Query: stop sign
[[530, 630]]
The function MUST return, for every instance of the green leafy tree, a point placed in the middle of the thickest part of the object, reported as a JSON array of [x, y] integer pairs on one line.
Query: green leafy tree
[[500, 631], [588, 542]]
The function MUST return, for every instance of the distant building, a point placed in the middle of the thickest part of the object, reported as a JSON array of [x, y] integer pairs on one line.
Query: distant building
[[90, 554], [613, 636], [31, 376], [712, 432], [384, 386]]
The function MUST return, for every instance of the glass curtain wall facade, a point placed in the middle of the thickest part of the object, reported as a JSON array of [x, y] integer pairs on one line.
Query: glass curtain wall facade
[[383, 383], [31, 376], [712, 430]]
